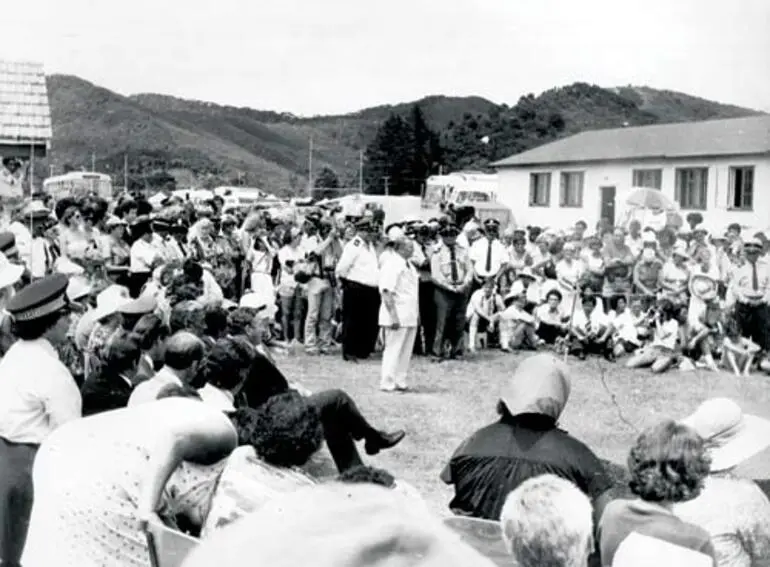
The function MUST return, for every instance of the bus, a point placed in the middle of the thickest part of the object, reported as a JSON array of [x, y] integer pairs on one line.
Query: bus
[[79, 184], [462, 188]]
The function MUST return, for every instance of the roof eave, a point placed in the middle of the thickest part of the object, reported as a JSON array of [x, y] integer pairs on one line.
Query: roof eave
[[545, 163]]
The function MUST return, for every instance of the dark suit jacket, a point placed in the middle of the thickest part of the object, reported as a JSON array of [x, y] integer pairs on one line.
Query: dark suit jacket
[[105, 392]]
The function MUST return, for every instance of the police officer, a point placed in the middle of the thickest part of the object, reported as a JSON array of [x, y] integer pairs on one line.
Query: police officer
[[452, 275], [749, 292], [488, 255], [425, 246], [37, 395], [358, 273]]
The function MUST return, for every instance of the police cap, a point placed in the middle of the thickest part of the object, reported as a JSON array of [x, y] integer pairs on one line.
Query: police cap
[[39, 299], [449, 230]]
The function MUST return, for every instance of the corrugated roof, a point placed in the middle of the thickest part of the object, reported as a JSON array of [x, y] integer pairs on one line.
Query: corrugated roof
[[25, 116], [735, 136]]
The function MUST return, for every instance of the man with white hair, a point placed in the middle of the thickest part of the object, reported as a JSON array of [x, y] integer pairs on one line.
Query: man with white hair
[[399, 285], [547, 520]]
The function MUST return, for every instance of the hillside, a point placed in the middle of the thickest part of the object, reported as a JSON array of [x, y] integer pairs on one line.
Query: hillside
[[209, 144]]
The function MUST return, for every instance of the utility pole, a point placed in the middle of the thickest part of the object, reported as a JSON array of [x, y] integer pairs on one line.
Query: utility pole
[[361, 171], [50, 170], [387, 186], [310, 169], [31, 169], [125, 173], [93, 161]]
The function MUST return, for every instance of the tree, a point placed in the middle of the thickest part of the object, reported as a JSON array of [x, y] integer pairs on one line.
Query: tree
[[402, 155], [327, 179]]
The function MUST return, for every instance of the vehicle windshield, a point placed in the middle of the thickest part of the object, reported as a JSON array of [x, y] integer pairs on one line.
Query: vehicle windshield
[[434, 195], [473, 197]]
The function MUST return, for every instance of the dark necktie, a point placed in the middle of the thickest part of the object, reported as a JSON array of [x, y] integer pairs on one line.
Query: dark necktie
[[453, 263], [489, 257], [48, 260], [754, 277]]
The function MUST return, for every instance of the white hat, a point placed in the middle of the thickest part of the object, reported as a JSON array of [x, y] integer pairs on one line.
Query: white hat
[[258, 302], [649, 238], [109, 301], [704, 287], [9, 273], [114, 221], [680, 249], [517, 290], [395, 234], [731, 435], [78, 287]]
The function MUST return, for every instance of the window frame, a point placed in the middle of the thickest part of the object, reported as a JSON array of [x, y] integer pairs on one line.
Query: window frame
[[640, 172], [731, 188], [533, 188], [678, 188], [564, 186]]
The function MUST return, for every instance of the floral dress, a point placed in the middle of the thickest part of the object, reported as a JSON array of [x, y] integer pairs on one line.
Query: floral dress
[[224, 263]]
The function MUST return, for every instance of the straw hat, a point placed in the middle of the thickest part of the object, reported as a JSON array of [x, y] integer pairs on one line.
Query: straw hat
[[517, 290], [731, 435], [395, 234], [704, 287], [110, 301], [9, 273]]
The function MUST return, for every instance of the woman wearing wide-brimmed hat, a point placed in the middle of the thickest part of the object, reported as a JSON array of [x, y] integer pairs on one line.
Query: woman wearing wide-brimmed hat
[[731, 507], [703, 320]]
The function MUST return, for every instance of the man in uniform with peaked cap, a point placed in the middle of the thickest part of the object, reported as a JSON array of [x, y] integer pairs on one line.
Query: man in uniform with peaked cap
[[358, 271], [37, 395]]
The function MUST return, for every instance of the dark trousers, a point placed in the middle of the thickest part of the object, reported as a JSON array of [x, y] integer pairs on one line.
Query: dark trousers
[[360, 313], [427, 328], [136, 282], [450, 321], [753, 321], [15, 499], [343, 425]]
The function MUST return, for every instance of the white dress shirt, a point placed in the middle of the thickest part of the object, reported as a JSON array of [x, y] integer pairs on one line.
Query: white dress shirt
[[148, 390], [37, 392], [359, 263], [399, 277], [143, 255], [478, 255]]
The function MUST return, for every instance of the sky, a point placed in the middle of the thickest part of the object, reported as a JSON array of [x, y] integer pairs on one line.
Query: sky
[[312, 57]]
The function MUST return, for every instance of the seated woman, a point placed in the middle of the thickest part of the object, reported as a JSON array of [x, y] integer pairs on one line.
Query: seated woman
[[731, 507], [660, 354], [738, 352], [524, 443], [667, 464], [590, 331], [99, 480], [704, 315], [628, 324]]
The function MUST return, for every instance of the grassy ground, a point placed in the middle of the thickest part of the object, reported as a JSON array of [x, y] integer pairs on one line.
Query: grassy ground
[[607, 407]]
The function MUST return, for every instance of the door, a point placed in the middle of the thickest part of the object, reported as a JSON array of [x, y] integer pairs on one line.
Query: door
[[607, 206]]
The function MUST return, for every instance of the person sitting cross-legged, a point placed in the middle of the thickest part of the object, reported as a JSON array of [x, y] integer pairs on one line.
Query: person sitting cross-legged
[[590, 330], [517, 327]]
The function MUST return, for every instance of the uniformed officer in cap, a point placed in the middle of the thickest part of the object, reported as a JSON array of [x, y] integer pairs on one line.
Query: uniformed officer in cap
[[358, 272], [487, 254], [452, 275], [37, 395]]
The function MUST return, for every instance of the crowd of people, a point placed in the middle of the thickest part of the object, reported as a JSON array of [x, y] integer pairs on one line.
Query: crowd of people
[[139, 385]]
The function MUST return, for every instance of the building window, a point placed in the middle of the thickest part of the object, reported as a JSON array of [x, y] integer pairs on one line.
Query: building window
[[650, 178], [539, 189], [692, 187], [571, 193], [741, 196]]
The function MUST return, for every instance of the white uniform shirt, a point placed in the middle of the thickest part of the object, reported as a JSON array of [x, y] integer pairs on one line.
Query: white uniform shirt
[[41, 260], [478, 254], [37, 392], [401, 279], [480, 304], [359, 263], [598, 320], [23, 241], [143, 254]]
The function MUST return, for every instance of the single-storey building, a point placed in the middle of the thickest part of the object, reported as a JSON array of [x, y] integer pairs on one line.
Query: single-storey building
[[720, 168]]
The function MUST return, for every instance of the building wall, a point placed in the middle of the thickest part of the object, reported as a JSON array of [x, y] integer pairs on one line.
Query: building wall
[[514, 186]]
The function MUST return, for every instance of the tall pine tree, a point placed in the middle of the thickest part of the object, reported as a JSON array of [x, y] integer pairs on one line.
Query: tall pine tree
[[402, 155]]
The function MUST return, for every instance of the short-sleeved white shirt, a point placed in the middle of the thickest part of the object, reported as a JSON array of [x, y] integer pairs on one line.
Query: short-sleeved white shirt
[[401, 279], [143, 254]]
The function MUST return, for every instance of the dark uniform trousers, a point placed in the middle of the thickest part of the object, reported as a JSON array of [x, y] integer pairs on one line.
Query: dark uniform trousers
[[16, 496], [754, 323], [360, 319], [450, 320], [427, 323]]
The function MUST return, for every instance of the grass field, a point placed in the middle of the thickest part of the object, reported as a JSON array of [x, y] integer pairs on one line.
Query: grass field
[[607, 407]]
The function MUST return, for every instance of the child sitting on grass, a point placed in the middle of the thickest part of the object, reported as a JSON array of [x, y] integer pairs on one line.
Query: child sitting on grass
[[660, 354], [738, 352]]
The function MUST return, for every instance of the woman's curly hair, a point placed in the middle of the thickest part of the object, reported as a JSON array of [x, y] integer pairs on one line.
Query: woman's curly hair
[[225, 363], [668, 463], [285, 431]]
